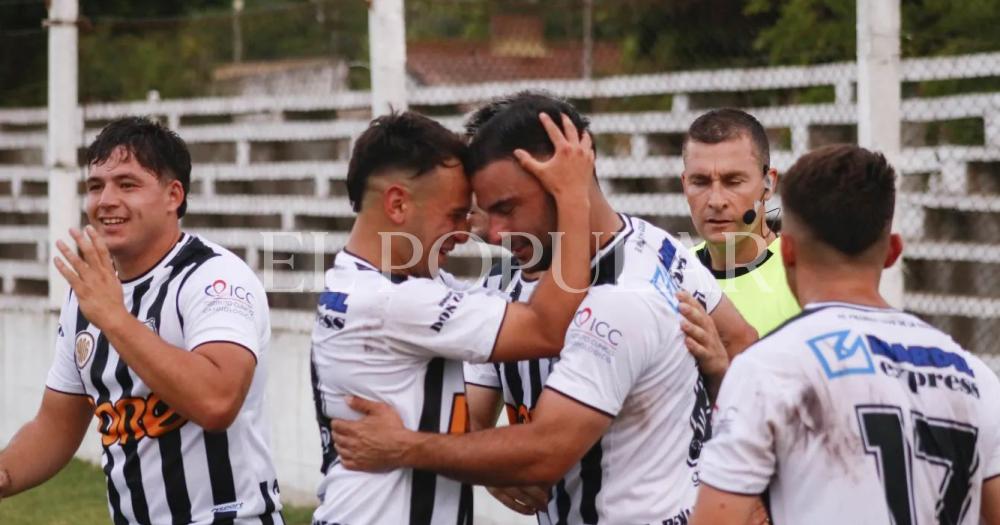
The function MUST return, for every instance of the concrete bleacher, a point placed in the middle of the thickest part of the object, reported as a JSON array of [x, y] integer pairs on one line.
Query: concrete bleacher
[[268, 167]]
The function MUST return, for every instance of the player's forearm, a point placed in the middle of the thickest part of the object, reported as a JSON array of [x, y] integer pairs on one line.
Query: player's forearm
[[506, 456], [35, 454], [484, 406], [564, 287], [186, 381]]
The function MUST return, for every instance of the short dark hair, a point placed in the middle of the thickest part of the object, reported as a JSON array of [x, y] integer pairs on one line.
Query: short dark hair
[[153, 146], [844, 194], [509, 123], [406, 141], [721, 125]]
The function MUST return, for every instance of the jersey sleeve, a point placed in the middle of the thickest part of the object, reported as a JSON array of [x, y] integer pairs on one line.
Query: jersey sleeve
[[990, 387], [607, 347], [223, 301], [64, 375], [740, 456], [428, 318], [482, 374], [699, 281]]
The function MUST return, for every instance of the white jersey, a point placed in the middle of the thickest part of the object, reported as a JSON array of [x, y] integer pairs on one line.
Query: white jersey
[[853, 414], [402, 342], [160, 467], [625, 357]]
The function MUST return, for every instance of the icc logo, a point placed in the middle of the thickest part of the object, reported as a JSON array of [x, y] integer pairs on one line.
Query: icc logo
[[223, 290]]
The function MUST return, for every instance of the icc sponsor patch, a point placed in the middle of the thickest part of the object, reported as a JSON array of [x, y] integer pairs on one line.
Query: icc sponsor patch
[[225, 297], [84, 348], [590, 333]]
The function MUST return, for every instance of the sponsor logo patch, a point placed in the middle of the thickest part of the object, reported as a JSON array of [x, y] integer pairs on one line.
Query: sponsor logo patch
[[842, 353], [594, 335], [230, 298], [448, 306], [227, 507]]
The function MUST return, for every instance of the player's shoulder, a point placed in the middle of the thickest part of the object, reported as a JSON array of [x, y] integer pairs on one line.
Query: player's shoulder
[[789, 338], [501, 274], [215, 263], [631, 302]]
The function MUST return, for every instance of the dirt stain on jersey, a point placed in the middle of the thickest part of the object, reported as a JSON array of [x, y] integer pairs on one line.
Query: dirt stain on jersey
[[810, 420]]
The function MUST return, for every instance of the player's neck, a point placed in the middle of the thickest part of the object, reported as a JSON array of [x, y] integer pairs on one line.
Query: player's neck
[[739, 250], [365, 242], [844, 286], [134, 263], [604, 221]]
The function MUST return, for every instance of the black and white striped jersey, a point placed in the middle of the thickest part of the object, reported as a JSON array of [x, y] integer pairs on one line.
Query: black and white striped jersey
[[623, 357], [400, 341], [160, 467]]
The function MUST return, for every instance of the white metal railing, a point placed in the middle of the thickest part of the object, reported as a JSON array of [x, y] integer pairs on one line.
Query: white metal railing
[[255, 120]]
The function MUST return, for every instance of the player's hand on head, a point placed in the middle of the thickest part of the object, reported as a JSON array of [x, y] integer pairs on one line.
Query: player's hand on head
[[702, 337], [91, 274], [374, 443], [568, 172], [523, 500]]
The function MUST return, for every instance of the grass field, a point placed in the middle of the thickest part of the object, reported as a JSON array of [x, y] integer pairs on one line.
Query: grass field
[[77, 496]]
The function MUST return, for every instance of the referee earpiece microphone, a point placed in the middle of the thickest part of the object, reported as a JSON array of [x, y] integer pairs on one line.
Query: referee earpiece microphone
[[751, 215]]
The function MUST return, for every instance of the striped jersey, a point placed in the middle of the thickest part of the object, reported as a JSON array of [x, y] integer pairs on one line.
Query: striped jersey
[[160, 467], [400, 341], [625, 357], [854, 414]]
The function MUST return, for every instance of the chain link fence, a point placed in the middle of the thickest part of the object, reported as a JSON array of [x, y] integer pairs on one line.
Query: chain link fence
[[269, 96]]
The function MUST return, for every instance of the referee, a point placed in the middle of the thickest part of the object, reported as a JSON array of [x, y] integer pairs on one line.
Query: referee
[[727, 181], [160, 340]]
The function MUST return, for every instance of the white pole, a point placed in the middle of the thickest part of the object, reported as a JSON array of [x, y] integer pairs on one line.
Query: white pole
[[880, 103], [65, 128], [387, 42]]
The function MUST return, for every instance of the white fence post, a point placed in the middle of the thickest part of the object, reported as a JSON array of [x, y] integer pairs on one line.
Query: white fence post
[[387, 42], [880, 103], [65, 127]]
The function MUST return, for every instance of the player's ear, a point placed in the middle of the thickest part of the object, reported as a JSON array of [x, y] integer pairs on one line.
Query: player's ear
[[895, 250], [396, 203], [175, 194], [788, 246], [770, 183]]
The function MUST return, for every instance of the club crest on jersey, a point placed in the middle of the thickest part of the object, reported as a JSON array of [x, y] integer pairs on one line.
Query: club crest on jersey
[[84, 348], [841, 353]]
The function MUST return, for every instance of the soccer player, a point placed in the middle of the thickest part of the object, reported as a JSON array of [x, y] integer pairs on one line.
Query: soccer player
[[387, 330], [853, 411], [728, 181], [616, 425], [163, 339]]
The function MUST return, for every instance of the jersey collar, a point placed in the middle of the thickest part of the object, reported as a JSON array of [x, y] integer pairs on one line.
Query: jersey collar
[[184, 238], [706, 260], [357, 263]]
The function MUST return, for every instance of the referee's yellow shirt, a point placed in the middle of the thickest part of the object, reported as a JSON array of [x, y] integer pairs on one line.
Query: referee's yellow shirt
[[760, 292]]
